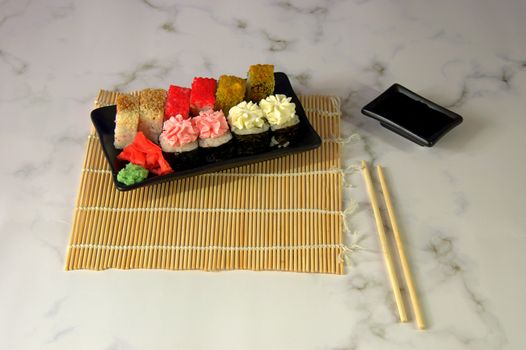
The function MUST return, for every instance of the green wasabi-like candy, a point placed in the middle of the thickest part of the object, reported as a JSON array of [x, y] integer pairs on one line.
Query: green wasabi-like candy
[[132, 174]]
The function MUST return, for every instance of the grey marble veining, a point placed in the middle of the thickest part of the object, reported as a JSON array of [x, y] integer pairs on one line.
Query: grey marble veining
[[459, 203]]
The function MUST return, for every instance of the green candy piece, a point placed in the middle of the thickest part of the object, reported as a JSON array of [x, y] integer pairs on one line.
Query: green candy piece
[[132, 174]]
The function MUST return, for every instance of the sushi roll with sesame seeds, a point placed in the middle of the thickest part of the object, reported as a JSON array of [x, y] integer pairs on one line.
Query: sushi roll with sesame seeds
[[126, 120], [152, 113]]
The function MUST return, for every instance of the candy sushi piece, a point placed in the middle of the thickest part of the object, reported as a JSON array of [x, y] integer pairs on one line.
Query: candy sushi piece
[[179, 135], [260, 82], [147, 154], [215, 138], [203, 95], [179, 142], [230, 91], [281, 115], [126, 120], [177, 102], [249, 128], [152, 113]]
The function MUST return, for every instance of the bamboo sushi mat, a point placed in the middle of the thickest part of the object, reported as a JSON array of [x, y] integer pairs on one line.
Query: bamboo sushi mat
[[281, 215]]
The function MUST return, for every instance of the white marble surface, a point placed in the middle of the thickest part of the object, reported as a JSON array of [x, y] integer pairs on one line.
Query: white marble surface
[[461, 203]]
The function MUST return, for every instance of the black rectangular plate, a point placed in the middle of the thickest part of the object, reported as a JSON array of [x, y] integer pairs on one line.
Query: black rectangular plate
[[104, 121], [411, 116]]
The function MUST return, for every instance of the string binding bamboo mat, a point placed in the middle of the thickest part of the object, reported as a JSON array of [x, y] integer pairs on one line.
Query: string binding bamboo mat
[[282, 215]]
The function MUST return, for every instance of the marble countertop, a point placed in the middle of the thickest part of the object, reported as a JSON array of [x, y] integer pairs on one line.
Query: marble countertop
[[460, 203]]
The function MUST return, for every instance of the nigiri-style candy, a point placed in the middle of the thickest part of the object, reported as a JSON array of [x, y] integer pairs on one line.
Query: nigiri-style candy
[[203, 95], [177, 102]]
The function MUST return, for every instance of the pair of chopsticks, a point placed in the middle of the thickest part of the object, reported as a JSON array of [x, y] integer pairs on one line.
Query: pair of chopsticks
[[391, 270]]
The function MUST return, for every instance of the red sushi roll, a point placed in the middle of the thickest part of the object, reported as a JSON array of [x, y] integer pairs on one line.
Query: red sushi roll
[[177, 102], [203, 95]]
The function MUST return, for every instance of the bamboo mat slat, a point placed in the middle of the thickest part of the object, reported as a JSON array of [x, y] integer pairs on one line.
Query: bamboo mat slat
[[281, 215]]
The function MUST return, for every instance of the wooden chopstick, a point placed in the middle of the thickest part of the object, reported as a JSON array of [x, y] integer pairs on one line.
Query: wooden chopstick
[[415, 303], [391, 271]]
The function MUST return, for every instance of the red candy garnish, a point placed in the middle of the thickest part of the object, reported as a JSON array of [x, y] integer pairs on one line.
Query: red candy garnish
[[177, 102], [147, 154]]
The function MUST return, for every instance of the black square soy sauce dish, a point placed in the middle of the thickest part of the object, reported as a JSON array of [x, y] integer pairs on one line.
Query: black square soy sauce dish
[[411, 115], [307, 139]]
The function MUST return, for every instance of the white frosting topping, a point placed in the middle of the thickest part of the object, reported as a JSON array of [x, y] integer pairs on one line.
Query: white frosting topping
[[279, 110], [246, 116]]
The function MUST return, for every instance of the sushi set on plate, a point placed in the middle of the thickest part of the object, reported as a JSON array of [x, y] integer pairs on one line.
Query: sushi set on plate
[[159, 135]]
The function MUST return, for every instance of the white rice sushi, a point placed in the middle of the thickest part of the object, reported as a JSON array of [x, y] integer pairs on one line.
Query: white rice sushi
[[152, 103], [126, 120]]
